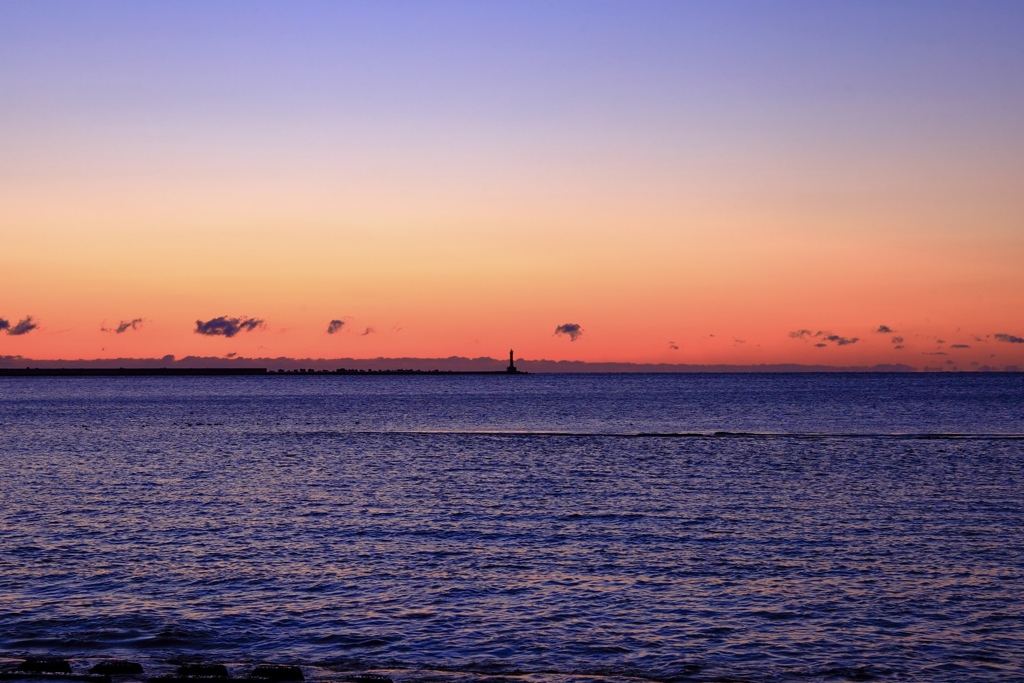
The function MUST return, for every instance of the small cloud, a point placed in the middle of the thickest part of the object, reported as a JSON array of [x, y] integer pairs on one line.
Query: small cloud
[[1000, 336], [940, 341], [335, 326], [367, 331], [842, 341], [672, 345], [897, 340], [124, 326], [899, 347], [935, 353], [24, 326], [960, 346], [821, 345], [824, 336], [739, 341], [227, 327], [571, 329], [231, 355], [884, 329], [4, 325]]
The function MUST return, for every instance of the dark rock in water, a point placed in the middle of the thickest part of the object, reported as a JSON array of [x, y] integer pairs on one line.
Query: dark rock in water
[[203, 670], [117, 667], [278, 672], [45, 665]]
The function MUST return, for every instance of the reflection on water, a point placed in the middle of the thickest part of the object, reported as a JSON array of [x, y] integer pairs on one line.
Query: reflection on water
[[396, 524]]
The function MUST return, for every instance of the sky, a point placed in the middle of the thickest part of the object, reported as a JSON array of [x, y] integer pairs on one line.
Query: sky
[[666, 182]]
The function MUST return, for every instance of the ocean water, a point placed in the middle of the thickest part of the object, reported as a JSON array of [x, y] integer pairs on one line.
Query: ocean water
[[795, 527]]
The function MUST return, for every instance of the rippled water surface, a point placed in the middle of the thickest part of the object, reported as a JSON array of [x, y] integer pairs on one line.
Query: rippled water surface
[[689, 527]]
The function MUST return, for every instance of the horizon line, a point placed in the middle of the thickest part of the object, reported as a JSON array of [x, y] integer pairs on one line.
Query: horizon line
[[463, 364]]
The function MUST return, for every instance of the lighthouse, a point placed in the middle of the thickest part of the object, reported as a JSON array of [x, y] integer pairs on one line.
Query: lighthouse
[[511, 362]]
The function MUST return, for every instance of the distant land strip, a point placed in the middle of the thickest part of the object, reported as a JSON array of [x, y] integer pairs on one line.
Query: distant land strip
[[450, 365], [220, 372]]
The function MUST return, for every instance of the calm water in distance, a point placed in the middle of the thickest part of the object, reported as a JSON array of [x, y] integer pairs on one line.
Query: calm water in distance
[[802, 527]]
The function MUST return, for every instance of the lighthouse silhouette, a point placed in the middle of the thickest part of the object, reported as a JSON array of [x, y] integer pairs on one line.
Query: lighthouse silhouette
[[511, 362]]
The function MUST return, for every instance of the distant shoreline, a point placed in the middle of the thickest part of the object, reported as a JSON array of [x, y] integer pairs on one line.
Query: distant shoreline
[[265, 372], [452, 365], [222, 372]]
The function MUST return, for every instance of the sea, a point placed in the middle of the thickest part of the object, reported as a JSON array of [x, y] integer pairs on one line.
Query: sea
[[548, 527]]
